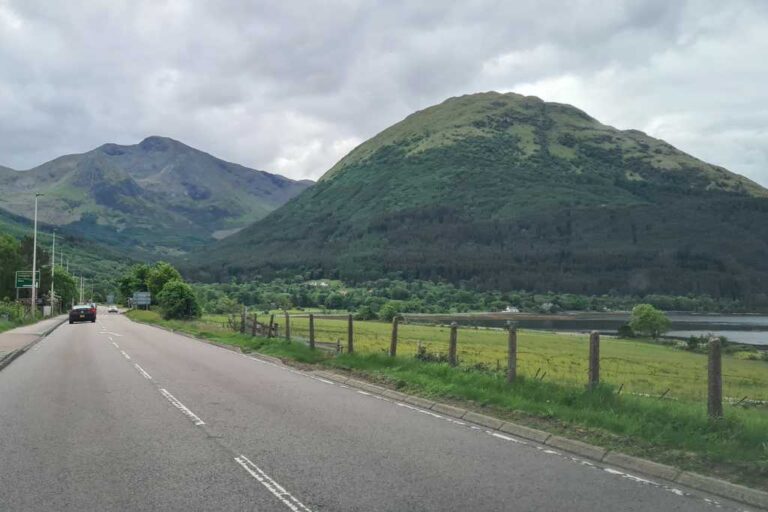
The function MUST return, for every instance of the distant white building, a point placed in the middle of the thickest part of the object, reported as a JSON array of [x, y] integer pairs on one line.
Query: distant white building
[[512, 309]]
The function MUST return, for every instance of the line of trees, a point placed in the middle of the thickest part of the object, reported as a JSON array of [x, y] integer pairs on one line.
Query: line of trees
[[384, 298], [17, 255], [167, 288]]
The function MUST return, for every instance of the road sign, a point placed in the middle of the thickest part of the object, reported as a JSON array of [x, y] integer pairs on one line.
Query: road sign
[[24, 279], [111, 298], [141, 299]]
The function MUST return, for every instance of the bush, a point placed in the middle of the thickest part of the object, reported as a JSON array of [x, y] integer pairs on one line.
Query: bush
[[11, 311], [390, 310], [177, 300], [648, 320], [365, 313], [626, 331]]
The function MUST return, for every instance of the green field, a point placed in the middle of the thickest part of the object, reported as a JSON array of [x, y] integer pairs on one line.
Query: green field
[[641, 367]]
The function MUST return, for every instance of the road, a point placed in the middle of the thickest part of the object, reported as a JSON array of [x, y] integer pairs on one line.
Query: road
[[122, 416]]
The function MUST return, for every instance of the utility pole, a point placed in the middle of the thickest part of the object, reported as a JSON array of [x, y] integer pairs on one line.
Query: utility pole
[[34, 262], [81, 289], [53, 269]]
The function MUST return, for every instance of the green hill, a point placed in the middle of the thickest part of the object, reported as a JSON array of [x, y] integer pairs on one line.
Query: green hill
[[99, 265], [156, 198], [507, 191]]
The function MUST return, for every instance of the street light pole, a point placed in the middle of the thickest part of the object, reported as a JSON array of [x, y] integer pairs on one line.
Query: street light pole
[[34, 262], [53, 269]]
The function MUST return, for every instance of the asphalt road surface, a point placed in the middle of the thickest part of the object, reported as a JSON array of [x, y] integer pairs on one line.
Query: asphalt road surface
[[121, 416]]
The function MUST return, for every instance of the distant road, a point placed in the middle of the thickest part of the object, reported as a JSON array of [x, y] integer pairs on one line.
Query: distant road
[[122, 416]]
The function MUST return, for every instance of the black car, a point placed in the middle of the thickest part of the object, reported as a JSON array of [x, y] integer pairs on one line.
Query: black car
[[82, 313]]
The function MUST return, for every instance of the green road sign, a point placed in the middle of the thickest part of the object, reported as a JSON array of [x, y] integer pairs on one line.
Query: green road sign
[[24, 279]]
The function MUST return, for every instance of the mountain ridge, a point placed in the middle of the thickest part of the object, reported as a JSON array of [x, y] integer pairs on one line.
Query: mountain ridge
[[508, 191], [158, 197]]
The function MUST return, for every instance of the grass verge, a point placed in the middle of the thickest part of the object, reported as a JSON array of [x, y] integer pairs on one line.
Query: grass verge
[[7, 325], [672, 432]]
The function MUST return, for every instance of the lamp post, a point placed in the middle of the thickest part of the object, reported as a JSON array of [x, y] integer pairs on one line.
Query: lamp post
[[34, 262], [53, 270]]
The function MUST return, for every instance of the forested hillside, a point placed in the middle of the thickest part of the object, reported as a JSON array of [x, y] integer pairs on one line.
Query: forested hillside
[[509, 192]]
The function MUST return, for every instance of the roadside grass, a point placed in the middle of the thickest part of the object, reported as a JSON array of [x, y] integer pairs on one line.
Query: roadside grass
[[7, 325], [640, 367], [675, 432]]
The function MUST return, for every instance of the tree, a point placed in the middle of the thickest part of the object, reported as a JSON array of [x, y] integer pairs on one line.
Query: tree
[[390, 310], [65, 287], [160, 274], [10, 262], [365, 313], [177, 300], [134, 280], [648, 320]]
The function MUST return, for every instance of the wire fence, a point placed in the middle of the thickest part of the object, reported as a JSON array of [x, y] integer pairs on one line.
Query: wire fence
[[631, 367]]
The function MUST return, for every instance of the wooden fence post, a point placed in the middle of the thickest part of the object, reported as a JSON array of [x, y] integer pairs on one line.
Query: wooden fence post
[[594, 359], [253, 326], [350, 335], [312, 331], [242, 320], [270, 332], [452, 344], [287, 327], [512, 352], [393, 341], [715, 380]]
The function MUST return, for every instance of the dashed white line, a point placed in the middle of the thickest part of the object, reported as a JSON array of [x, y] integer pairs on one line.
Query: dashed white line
[[125, 355], [142, 371], [506, 438], [276, 489], [116, 345], [640, 480], [183, 408]]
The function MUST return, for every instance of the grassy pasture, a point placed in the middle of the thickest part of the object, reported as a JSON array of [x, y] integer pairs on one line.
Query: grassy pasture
[[641, 367]]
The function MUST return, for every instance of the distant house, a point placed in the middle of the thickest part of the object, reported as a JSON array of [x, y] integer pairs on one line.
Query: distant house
[[512, 309]]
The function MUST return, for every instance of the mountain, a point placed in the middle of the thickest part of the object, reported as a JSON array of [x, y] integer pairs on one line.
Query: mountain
[[156, 198], [510, 192], [99, 265]]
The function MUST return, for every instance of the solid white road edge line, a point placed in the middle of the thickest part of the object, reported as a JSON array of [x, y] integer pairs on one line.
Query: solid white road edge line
[[183, 408], [583, 462], [276, 489]]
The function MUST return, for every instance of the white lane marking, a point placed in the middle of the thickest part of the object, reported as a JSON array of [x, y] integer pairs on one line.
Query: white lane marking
[[116, 345], [585, 463], [125, 355], [111, 339], [142, 371], [183, 408], [506, 438], [326, 381], [112, 333], [276, 489]]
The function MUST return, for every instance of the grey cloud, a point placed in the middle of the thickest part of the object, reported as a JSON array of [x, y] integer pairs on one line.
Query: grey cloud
[[290, 87]]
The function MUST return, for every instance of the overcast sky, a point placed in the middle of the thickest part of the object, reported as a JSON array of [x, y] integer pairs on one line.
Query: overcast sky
[[290, 87]]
